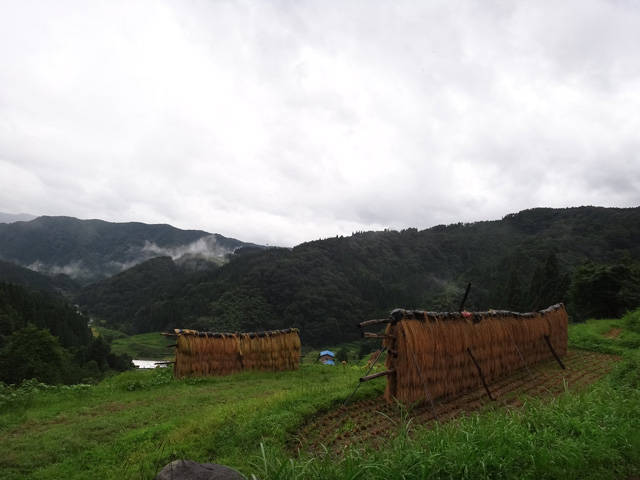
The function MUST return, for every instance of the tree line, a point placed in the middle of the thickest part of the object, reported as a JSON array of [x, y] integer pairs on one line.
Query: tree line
[[44, 337]]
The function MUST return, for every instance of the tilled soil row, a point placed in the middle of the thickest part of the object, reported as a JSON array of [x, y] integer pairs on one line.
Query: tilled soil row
[[370, 422]]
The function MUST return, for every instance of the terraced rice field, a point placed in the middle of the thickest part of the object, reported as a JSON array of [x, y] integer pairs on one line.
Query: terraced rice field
[[371, 422]]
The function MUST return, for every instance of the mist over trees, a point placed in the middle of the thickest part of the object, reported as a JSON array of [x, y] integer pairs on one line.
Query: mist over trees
[[92, 250]]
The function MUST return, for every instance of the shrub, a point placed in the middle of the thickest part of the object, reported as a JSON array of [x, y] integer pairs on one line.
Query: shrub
[[627, 372], [632, 320], [32, 353]]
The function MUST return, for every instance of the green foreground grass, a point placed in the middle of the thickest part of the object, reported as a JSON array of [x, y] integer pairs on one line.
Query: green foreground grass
[[590, 436], [131, 425]]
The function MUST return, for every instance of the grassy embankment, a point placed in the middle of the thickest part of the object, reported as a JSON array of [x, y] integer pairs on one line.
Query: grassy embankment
[[146, 346], [132, 424]]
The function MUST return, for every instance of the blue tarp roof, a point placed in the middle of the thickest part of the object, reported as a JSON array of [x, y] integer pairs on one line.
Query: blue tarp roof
[[327, 352]]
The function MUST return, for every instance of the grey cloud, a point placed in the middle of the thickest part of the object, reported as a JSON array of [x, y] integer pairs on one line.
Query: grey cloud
[[280, 122], [207, 247]]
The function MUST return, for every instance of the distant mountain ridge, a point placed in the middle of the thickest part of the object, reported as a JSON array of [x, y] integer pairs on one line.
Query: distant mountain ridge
[[15, 217], [91, 250]]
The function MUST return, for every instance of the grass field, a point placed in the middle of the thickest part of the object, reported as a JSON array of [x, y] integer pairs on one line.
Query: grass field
[[146, 346], [132, 424]]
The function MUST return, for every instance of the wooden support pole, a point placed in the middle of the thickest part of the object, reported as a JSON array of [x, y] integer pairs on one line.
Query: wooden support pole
[[376, 375], [172, 346], [546, 337], [464, 299], [377, 335], [374, 322], [480, 373], [370, 368]]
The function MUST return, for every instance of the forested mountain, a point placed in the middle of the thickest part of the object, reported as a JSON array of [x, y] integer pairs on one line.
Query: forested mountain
[[526, 261], [91, 250], [138, 288], [58, 284], [44, 337], [20, 306]]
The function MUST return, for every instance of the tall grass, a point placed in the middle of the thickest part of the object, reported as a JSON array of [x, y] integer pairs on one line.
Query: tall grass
[[589, 436]]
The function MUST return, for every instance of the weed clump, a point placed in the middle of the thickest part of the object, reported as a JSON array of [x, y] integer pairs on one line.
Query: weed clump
[[627, 373], [29, 389], [632, 320]]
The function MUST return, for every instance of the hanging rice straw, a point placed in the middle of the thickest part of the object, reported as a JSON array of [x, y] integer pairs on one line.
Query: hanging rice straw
[[437, 345], [200, 354]]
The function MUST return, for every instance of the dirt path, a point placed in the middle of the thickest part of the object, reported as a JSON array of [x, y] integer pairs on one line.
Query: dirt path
[[613, 333], [371, 421]]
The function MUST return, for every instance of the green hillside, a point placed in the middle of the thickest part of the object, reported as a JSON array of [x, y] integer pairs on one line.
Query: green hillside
[[124, 295], [58, 284]]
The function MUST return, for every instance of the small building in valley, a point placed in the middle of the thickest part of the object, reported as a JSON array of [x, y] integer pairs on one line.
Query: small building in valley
[[327, 357]]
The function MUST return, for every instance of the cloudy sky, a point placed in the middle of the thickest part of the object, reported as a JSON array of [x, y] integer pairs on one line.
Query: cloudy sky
[[283, 121]]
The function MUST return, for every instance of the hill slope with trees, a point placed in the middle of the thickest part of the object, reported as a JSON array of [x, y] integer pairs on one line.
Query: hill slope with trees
[[526, 261], [42, 336], [55, 284], [91, 250]]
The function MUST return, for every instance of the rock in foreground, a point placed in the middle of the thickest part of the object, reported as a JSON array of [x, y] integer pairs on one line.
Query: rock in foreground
[[190, 470]]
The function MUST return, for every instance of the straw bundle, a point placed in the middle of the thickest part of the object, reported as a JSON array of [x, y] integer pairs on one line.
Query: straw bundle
[[435, 352], [200, 354]]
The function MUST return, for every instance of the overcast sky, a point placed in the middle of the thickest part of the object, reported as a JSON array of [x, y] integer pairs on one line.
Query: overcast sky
[[279, 122]]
